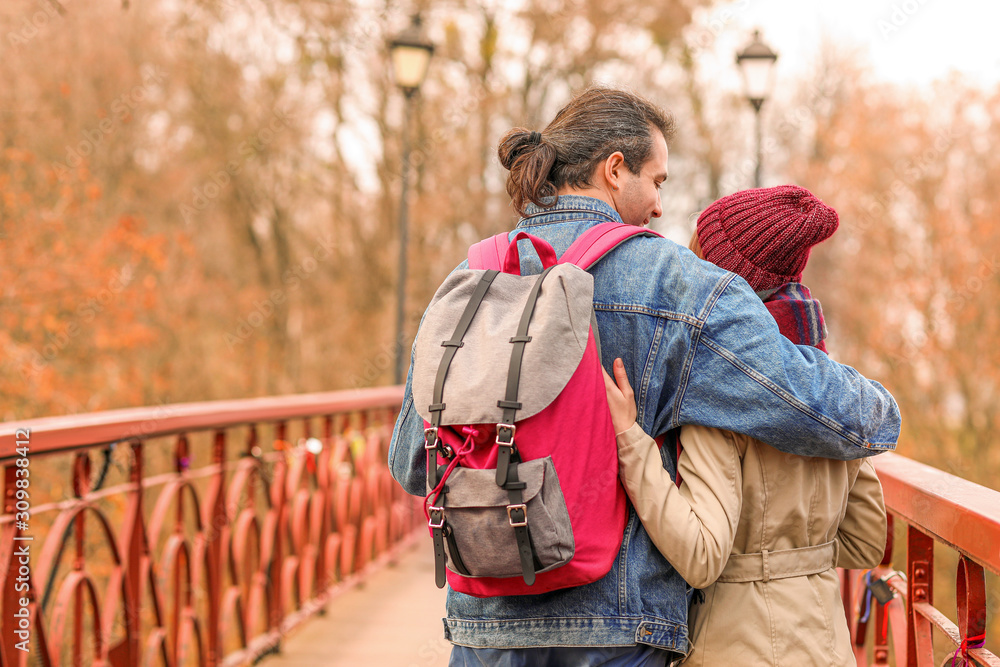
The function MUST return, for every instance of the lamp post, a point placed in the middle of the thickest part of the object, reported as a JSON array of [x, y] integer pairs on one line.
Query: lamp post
[[756, 62], [411, 54]]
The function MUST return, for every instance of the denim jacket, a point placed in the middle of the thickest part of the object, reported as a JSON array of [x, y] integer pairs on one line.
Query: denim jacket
[[700, 348]]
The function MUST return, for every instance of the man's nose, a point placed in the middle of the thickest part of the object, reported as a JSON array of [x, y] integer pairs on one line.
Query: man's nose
[[658, 210]]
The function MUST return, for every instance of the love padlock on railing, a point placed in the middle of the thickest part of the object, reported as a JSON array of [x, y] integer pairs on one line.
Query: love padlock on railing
[[880, 588]]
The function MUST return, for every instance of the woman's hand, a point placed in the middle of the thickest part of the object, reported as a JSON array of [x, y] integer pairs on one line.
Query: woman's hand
[[621, 399]]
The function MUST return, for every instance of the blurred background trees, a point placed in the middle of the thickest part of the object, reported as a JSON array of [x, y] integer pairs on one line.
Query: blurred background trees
[[198, 197]]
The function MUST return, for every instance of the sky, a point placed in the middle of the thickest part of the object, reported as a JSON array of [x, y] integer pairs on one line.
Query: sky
[[908, 42], [905, 41]]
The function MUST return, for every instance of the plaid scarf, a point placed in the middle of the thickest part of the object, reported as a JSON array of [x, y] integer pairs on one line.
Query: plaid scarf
[[799, 316]]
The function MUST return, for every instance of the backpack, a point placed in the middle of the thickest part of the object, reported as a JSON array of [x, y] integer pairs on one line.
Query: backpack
[[523, 494]]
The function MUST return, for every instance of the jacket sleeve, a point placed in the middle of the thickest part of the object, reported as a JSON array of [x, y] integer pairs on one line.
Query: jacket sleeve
[[407, 458], [862, 533], [795, 398], [692, 526]]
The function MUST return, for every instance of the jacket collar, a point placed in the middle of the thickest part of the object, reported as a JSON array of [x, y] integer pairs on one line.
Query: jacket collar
[[567, 208]]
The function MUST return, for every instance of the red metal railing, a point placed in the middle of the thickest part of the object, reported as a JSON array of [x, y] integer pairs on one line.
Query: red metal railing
[[180, 563], [215, 541], [936, 507]]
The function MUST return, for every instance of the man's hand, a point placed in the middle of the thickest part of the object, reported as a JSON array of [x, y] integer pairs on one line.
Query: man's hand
[[621, 399]]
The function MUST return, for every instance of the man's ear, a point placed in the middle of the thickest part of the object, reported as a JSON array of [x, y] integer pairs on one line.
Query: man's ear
[[614, 169]]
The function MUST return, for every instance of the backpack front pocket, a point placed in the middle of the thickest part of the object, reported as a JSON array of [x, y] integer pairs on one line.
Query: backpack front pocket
[[481, 527]]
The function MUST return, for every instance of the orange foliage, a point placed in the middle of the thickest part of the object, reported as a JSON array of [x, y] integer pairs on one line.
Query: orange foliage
[[911, 280], [80, 302]]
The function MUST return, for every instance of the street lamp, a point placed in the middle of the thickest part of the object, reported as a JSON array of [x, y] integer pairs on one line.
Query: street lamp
[[756, 62], [411, 54]]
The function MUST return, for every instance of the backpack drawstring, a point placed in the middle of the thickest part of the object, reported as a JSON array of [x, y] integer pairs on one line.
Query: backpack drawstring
[[467, 446]]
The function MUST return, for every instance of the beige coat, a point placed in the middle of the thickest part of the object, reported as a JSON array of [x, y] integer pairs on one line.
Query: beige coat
[[740, 506]]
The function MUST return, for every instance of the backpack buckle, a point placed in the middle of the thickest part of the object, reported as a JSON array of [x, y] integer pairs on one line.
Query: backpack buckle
[[439, 511], [506, 430], [431, 437], [523, 520], [432, 441]]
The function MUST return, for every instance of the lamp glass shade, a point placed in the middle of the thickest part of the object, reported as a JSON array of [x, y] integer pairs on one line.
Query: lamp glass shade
[[409, 65], [757, 77]]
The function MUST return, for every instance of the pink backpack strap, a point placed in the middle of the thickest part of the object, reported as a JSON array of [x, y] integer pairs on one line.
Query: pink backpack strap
[[598, 241], [489, 253]]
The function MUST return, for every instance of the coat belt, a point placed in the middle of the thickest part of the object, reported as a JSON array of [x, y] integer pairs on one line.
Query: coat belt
[[768, 565]]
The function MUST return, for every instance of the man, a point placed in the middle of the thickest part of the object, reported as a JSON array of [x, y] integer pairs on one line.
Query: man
[[702, 349]]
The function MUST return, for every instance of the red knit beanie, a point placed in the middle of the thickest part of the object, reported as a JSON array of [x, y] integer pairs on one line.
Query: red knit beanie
[[764, 235]]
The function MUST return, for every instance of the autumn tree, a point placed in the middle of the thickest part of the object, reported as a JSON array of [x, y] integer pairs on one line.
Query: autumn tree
[[229, 174]]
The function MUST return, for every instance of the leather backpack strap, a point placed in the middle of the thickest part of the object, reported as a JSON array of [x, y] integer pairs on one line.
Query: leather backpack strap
[[598, 241], [592, 246], [489, 253]]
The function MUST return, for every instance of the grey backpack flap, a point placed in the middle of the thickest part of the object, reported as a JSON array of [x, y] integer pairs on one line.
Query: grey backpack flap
[[511, 519]]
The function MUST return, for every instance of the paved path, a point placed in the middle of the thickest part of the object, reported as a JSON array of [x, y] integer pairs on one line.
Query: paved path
[[392, 619]]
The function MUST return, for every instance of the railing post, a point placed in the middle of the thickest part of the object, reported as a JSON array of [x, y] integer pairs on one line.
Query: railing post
[[324, 473], [920, 573], [881, 653], [133, 550], [278, 497], [216, 521], [970, 594]]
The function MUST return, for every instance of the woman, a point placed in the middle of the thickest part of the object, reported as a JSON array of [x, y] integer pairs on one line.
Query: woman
[[759, 530]]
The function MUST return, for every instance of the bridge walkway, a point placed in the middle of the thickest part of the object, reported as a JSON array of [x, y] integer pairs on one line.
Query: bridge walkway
[[391, 619]]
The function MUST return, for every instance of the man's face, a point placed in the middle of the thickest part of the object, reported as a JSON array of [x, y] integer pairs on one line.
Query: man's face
[[639, 198]]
